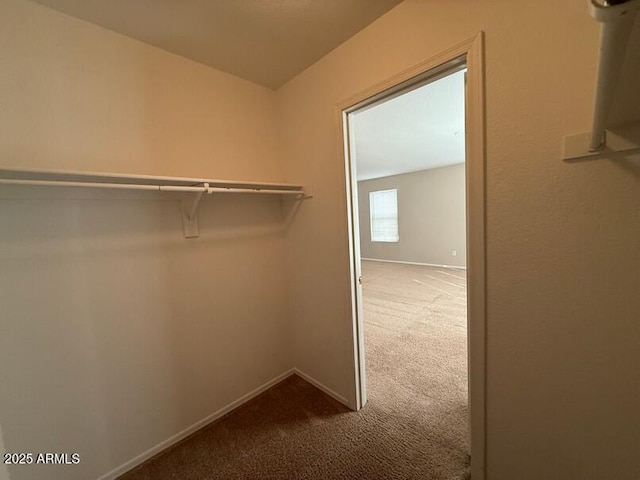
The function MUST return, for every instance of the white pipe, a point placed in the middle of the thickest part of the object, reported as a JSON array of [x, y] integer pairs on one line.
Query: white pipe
[[55, 183], [156, 180], [162, 188], [255, 190], [617, 20]]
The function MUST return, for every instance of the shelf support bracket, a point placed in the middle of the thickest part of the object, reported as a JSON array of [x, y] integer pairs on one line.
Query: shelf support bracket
[[189, 211], [622, 139]]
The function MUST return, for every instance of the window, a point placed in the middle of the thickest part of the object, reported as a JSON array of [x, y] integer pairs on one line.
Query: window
[[383, 206]]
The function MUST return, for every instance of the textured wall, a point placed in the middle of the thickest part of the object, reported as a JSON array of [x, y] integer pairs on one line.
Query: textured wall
[[116, 332], [431, 217], [77, 96], [563, 262]]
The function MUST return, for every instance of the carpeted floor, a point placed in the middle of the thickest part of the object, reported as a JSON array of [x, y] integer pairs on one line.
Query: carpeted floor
[[414, 425]]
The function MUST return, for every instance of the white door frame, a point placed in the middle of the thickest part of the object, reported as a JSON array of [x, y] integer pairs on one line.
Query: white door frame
[[471, 53]]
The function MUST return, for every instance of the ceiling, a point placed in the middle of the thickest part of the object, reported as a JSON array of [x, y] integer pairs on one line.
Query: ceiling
[[418, 130], [265, 41]]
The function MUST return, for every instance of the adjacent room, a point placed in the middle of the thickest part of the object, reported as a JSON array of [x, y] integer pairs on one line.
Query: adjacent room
[[180, 257]]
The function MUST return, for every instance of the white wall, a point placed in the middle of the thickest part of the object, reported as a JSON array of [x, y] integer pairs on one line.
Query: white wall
[[78, 96], [563, 262], [117, 333], [431, 217]]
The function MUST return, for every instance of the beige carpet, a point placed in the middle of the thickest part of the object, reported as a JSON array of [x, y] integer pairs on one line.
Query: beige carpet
[[413, 427]]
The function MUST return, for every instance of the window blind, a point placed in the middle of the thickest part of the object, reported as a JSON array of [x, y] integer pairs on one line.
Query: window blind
[[383, 206]]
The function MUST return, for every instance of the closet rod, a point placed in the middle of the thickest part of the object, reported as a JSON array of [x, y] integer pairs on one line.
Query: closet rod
[[160, 188], [616, 17]]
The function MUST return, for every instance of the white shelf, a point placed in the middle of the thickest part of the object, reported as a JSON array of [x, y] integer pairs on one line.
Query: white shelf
[[119, 181], [142, 182]]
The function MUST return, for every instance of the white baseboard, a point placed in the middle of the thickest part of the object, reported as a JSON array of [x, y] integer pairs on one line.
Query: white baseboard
[[206, 421], [414, 263], [323, 387]]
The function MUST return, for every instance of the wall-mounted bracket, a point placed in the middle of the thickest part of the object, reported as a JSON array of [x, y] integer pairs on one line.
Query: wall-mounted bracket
[[190, 213], [307, 192], [621, 139]]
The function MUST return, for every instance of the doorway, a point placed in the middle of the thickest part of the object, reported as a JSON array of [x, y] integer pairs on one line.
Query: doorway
[[464, 59]]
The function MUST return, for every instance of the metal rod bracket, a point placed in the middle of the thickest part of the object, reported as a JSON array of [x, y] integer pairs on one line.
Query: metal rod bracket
[[619, 140], [189, 210]]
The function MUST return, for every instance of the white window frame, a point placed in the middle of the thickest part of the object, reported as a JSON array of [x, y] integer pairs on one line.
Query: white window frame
[[382, 233]]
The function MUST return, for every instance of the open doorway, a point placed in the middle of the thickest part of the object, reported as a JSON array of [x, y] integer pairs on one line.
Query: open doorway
[[408, 150], [468, 55]]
